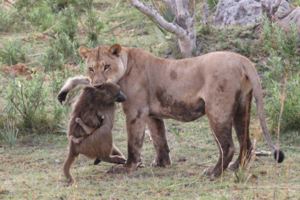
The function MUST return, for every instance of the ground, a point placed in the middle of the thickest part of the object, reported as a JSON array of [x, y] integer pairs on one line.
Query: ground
[[33, 170]]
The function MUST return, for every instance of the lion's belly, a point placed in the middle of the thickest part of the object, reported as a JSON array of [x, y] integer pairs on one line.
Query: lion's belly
[[167, 106]]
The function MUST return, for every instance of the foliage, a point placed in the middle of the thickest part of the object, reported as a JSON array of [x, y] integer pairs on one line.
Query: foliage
[[60, 50], [282, 76], [9, 132], [7, 20], [67, 22], [28, 105], [212, 4], [12, 52], [296, 2], [41, 16], [93, 27]]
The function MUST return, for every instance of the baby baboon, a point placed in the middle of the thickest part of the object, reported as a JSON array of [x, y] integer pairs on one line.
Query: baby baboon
[[90, 126]]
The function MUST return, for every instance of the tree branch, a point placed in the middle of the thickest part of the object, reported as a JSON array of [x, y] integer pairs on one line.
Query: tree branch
[[154, 15]]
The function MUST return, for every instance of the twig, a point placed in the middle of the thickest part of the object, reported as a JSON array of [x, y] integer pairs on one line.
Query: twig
[[282, 101]]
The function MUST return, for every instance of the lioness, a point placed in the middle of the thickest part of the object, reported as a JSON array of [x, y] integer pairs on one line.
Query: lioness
[[90, 126], [218, 84]]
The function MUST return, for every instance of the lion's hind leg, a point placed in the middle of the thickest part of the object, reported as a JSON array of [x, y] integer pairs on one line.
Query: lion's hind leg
[[223, 136], [219, 110], [241, 121]]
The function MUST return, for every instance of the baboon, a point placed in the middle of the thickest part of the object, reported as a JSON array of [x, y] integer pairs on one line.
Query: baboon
[[90, 126]]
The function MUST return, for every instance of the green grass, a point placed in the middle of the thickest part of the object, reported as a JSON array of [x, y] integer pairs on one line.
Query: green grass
[[33, 170]]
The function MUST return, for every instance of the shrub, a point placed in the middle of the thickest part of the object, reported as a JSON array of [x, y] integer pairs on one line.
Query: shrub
[[32, 106], [282, 76], [61, 50], [212, 4], [41, 16], [67, 23], [12, 52], [52, 59], [9, 132], [291, 110], [93, 26], [6, 20]]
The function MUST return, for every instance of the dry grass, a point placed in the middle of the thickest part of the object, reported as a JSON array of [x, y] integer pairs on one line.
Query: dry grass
[[32, 170]]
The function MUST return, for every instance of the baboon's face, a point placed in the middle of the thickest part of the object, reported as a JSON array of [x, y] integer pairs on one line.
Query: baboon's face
[[106, 93]]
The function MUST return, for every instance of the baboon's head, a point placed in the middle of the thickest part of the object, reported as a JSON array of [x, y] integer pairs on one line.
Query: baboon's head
[[104, 94]]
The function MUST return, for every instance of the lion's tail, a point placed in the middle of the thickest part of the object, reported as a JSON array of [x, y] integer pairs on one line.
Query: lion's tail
[[258, 95]]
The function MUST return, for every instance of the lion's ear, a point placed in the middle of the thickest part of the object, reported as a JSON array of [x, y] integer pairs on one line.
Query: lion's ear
[[84, 52], [115, 49]]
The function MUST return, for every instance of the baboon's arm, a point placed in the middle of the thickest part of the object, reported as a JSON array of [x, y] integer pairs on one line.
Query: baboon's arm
[[107, 125], [70, 84], [88, 130]]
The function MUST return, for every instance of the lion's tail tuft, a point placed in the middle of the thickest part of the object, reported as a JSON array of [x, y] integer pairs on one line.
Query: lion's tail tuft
[[278, 156]]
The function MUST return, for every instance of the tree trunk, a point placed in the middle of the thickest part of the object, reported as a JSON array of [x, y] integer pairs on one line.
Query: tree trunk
[[183, 26]]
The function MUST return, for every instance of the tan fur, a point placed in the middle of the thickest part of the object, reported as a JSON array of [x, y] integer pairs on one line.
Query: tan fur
[[218, 84], [90, 126]]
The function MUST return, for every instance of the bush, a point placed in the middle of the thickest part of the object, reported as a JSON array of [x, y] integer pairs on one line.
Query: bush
[[12, 52], [212, 4], [32, 106], [41, 16], [61, 50], [52, 59], [282, 74], [291, 110], [9, 132], [67, 23], [6, 20], [93, 26]]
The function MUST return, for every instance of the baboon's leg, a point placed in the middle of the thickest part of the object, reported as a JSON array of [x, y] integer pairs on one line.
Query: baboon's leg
[[76, 140], [67, 164], [116, 159], [241, 122], [97, 161], [158, 135], [116, 151], [88, 130], [223, 137]]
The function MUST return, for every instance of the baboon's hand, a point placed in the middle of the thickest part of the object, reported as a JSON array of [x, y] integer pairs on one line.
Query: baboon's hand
[[78, 120], [62, 96]]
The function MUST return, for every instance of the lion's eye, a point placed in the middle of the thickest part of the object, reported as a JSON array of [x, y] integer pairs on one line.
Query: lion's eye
[[91, 69], [106, 67]]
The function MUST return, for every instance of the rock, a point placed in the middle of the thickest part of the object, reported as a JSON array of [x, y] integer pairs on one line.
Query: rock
[[246, 12], [293, 18]]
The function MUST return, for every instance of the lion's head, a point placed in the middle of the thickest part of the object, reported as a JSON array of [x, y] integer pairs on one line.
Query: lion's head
[[104, 64]]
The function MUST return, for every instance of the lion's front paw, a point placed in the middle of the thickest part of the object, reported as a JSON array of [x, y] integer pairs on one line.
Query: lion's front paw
[[61, 97]]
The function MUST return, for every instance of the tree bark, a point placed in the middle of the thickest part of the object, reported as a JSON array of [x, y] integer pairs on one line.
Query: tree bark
[[183, 26]]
